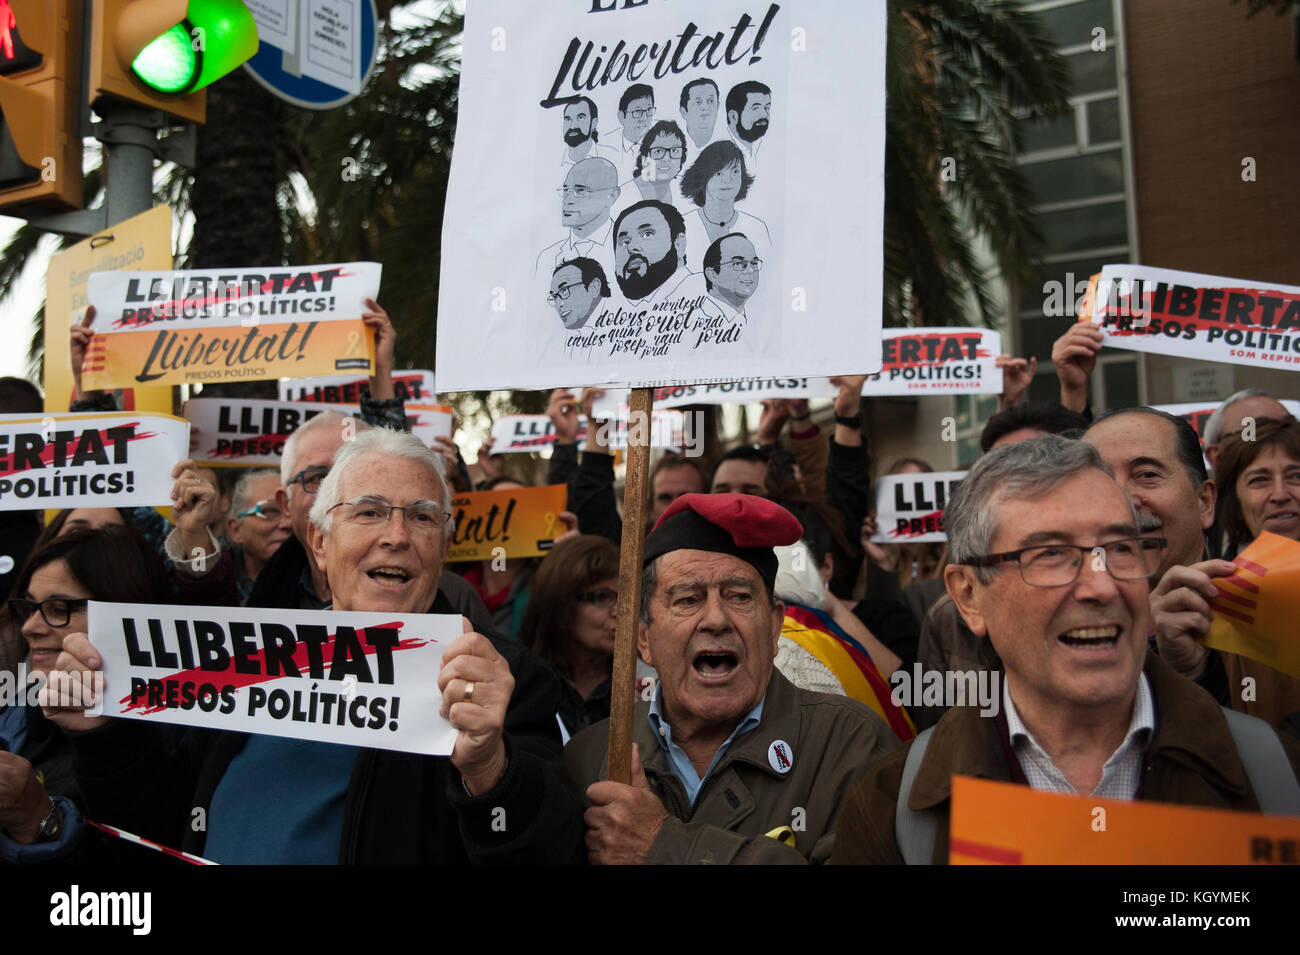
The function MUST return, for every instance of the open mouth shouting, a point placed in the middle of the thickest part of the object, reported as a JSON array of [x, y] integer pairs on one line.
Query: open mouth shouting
[[390, 578], [715, 665]]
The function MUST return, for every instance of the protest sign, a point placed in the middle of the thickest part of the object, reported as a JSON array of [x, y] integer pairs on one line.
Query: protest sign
[[409, 385], [229, 324], [1197, 413], [1257, 607], [523, 522], [248, 432], [930, 361], [909, 507], [89, 460], [1191, 315], [697, 224], [360, 679], [513, 434], [997, 823], [141, 242]]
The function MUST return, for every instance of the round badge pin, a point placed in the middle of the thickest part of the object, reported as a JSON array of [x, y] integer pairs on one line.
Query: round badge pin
[[780, 756], [6, 563]]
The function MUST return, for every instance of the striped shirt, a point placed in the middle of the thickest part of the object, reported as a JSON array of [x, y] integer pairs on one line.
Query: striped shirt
[[1122, 773]]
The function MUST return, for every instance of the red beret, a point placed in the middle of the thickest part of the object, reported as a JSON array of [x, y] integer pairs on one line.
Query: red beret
[[743, 525]]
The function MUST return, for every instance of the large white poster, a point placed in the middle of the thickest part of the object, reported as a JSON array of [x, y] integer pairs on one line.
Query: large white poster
[[664, 192]]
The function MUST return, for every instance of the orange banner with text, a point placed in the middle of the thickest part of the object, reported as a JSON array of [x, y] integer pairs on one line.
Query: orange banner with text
[[1257, 607], [260, 352], [1007, 824], [523, 522]]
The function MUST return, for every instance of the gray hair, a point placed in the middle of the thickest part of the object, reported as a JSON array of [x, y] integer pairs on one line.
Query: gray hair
[[241, 496], [1028, 470], [376, 441], [289, 457], [1214, 423]]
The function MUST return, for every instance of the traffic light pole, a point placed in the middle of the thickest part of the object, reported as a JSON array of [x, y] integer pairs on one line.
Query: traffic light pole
[[130, 138]]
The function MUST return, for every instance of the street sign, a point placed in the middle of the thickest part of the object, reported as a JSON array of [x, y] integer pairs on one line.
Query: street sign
[[317, 54]]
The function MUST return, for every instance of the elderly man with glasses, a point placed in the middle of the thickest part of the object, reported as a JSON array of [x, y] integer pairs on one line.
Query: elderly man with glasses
[[1047, 564], [379, 527]]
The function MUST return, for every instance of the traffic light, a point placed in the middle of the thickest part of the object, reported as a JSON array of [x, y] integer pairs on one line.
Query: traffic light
[[40, 143], [162, 53]]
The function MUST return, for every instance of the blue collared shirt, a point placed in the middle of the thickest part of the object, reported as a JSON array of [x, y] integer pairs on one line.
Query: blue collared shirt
[[683, 769]]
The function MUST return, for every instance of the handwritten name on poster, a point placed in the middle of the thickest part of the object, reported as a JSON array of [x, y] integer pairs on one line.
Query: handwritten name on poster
[[681, 214]]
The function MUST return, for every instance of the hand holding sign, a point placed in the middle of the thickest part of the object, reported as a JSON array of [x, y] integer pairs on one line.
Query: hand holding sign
[[78, 345], [1017, 375], [476, 685], [1074, 354], [376, 319], [192, 502], [562, 409], [1181, 610], [76, 672]]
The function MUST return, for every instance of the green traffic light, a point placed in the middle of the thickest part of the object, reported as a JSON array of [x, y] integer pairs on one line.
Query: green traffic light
[[170, 63], [215, 37]]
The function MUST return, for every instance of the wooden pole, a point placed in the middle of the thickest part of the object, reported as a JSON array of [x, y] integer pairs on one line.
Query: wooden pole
[[623, 686]]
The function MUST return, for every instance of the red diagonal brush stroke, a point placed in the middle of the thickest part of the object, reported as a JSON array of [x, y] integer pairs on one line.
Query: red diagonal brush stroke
[[214, 453], [229, 677], [1244, 601], [229, 295], [979, 850], [897, 533], [941, 339], [47, 454]]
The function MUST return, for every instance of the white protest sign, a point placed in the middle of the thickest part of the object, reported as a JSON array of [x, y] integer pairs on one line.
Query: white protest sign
[[252, 432], [1197, 413], [409, 385], [224, 298], [360, 679], [1192, 315], [626, 239], [929, 361], [329, 46], [515, 434], [909, 507], [89, 460]]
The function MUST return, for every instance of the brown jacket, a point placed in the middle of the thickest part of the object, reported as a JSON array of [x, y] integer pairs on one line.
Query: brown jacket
[[1191, 761], [833, 741]]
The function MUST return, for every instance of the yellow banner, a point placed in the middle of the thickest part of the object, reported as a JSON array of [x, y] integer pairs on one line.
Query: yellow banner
[[1257, 608], [258, 352], [519, 523], [142, 242], [1006, 824]]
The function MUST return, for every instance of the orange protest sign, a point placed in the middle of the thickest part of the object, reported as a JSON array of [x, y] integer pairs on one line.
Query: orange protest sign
[[227, 353], [1256, 611], [1007, 824], [519, 523]]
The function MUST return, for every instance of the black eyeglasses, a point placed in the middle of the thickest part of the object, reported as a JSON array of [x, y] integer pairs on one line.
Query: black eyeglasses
[[600, 599], [55, 611], [310, 478], [1058, 565]]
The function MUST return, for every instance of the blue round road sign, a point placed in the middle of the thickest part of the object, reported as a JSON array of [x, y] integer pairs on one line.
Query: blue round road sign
[[267, 67]]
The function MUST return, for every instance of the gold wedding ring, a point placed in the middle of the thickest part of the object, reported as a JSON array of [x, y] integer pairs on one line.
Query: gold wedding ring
[[469, 692]]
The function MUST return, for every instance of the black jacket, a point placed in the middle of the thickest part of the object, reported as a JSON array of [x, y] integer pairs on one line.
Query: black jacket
[[401, 808]]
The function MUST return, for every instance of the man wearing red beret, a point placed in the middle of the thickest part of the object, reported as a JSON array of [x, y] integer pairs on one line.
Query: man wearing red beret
[[731, 763]]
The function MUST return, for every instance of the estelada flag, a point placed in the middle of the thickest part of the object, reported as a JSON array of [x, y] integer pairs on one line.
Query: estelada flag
[[850, 663]]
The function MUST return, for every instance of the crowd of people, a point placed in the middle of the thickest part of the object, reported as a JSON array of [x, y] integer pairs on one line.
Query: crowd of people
[[770, 625]]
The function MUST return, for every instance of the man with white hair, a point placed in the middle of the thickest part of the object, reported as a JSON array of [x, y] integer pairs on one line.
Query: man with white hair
[[1229, 418], [378, 529], [1046, 563], [289, 578]]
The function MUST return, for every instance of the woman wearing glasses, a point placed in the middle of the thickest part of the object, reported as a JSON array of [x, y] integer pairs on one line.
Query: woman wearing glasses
[[658, 166], [39, 820], [569, 623]]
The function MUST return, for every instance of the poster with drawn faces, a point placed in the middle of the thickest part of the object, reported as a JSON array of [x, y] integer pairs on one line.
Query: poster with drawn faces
[[664, 193]]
